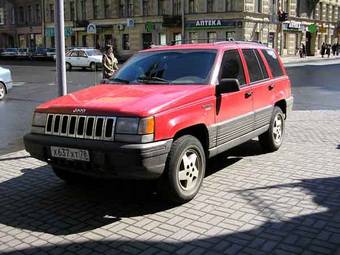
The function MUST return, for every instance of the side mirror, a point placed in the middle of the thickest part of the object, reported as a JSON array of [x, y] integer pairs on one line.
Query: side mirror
[[227, 86]]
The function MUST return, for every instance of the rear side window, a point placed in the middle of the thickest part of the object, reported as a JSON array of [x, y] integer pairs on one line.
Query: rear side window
[[263, 68], [232, 66], [273, 62], [254, 68]]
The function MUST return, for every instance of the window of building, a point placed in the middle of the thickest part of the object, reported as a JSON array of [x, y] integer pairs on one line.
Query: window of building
[[298, 8], [230, 5], [12, 16], [193, 37], [21, 15], [122, 9], [212, 36], [107, 9], [333, 13], [37, 13], [29, 14], [286, 6], [232, 67], [193, 8], [72, 11], [230, 35], [145, 7], [254, 69], [83, 9], [162, 39], [2, 18], [130, 8], [320, 11], [273, 62], [210, 6], [95, 8], [177, 7], [52, 12], [258, 6], [125, 42], [161, 7]]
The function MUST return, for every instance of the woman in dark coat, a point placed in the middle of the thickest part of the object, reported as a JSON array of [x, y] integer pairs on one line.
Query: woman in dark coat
[[323, 49]]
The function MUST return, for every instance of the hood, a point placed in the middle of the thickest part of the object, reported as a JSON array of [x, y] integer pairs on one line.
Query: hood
[[127, 100]]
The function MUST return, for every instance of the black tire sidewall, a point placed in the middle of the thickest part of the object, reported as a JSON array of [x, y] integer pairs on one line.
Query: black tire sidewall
[[68, 66], [180, 146]]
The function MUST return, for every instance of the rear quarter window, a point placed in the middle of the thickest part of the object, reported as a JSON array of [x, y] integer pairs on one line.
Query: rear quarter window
[[273, 62]]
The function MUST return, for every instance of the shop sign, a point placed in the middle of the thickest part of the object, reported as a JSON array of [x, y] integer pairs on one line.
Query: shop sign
[[91, 28], [212, 23], [130, 23], [294, 26], [312, 28], [149, 27], [68, 32]]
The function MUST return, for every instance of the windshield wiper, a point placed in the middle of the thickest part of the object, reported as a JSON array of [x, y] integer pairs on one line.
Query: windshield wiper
[[153, 79], [118, 80]]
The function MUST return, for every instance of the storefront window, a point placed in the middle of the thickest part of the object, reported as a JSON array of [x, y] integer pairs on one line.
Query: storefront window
[[230, 35], [212, 36], [178, 38], [162, 39], [193, 37], [126, 42], [2, 20]]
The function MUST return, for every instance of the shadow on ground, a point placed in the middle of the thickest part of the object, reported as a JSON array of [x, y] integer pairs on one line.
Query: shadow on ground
[[37, 201]]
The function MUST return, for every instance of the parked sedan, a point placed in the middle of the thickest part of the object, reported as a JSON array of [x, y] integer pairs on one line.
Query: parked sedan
[[10, 52], [5, 82], [85, 58]]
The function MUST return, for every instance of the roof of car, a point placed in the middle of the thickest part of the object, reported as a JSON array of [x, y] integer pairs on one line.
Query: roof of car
[[215, 45]]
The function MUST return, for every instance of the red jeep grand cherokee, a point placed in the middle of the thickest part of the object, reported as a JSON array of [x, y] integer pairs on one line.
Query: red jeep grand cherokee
[[164, 113]]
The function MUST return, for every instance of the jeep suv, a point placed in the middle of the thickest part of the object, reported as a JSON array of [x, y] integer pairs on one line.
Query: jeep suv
[[164, 113]]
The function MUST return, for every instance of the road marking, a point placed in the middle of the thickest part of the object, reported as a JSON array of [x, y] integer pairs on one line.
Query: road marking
[[51, 84]]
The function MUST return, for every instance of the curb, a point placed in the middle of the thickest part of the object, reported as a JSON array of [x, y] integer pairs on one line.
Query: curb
[[307, 60]]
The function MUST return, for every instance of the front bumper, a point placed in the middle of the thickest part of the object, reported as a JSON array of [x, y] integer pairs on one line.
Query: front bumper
[[107, 159]]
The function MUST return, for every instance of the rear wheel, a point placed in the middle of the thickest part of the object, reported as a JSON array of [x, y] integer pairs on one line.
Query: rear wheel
[[185, 170], [2, 91], [273, 138], [93, 66], [68, 66]]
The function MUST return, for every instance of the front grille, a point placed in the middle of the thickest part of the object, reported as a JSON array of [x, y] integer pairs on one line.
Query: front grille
[[87, 127]]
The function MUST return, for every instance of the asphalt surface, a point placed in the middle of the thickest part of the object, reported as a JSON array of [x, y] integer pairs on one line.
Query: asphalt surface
[[315, 87]]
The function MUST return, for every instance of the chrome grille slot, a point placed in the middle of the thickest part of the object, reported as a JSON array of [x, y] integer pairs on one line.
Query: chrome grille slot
[[88, 127]]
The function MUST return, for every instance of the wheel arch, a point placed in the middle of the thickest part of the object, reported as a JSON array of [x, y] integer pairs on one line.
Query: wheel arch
[[199, 131], [282, 104]]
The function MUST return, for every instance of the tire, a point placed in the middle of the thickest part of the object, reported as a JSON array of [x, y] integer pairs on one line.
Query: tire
[[2, 91], [93, 66], [69, 177], [272, 139], [68, 66], [185, 160]]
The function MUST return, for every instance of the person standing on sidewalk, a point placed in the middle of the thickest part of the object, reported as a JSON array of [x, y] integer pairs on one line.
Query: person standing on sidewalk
[[334, 49], [323, 49], [110, 63], [337, 48], [328, 50]]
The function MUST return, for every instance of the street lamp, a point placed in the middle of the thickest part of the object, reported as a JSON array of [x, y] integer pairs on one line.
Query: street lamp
[[60, 47]]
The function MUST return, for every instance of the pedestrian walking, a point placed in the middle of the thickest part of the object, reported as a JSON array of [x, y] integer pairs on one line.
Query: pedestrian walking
[[109, 63], [323, 49], [302, 51], [328, 50], [337, 48], [334, 49]]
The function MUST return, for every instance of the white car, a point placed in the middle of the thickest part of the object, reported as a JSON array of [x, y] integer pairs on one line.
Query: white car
[[85, 58], [10, 52], [5, 82]]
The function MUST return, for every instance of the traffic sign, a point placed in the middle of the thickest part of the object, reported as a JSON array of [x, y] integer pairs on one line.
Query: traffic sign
[[91, 28]]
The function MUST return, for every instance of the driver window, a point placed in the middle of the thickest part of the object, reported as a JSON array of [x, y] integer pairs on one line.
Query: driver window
[[74, 54], [232, 66], [82, 54]]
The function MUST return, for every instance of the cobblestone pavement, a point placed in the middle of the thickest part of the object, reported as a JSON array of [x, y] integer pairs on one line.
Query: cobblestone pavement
[[285, 202]]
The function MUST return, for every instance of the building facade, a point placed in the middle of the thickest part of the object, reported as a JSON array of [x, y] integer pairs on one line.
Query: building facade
[[7, 24], [131, 25]]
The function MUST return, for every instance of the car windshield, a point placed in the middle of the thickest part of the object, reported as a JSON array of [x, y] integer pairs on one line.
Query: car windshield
[[11, 50], [168, 67], [93, 52]]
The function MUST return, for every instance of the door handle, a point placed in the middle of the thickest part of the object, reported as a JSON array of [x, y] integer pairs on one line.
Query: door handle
[[248, 94], [271, 86]]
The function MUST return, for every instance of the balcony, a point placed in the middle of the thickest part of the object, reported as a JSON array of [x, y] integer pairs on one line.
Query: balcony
[[172, 21]]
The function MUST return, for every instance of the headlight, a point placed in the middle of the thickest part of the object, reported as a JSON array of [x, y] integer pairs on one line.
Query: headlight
[[127, 125], [135, 130], [39, 119]]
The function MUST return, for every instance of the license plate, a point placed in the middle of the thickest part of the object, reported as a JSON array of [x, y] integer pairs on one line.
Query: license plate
[[71, 154]]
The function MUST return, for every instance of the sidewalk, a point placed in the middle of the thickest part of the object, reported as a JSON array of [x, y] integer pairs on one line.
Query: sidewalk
[[316, 58]]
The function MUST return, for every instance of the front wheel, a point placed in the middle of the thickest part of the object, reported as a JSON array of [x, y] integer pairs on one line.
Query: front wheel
[[185, 170], [273, 138], [2, 91], [68, 66], [93, 66]]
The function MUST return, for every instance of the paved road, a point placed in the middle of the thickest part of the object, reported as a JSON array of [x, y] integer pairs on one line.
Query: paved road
[[279, 203]]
